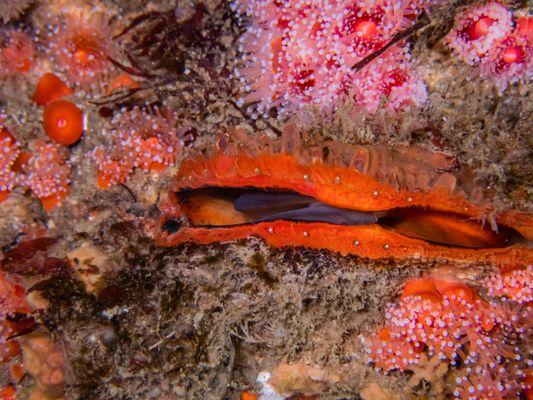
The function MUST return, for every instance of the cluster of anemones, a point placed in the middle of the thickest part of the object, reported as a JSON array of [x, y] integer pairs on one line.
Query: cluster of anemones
[[79, 43], [45, 171], [148, 139], [78, 40], [302, 52], [491, 37], [18, 56], [447, 319]]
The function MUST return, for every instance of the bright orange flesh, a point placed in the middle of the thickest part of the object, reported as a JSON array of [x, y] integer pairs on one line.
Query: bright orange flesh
[[208, 211], [424, 287], [338, 186], [447, 228], [50, 88], [63, 122], [348, 188], [368, 241]]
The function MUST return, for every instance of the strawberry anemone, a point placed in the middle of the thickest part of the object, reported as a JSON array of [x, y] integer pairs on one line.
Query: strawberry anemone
[[81, 46], [17, 54], [487, 36], [509, 60], [45, 171], [147, 139], [476, 29], [371, 201], [48, 172], [445, 318]]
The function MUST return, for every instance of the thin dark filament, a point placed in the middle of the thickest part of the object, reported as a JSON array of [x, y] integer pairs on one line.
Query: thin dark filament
[[422, 21]]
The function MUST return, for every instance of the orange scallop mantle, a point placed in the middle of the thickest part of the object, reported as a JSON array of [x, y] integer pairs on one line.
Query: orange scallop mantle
[[342, 187]]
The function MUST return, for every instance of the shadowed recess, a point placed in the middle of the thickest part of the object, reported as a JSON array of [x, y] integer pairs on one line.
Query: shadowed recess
[[227, 207]]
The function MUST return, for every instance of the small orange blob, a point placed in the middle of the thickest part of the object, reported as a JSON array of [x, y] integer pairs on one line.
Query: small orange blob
[[8, 393], [123, 81], [17, 372], [365, 28], [105, 181], [11, 350], [50, 88], [513, 55], [63, 122], [248, 396], [4, 194], [50, 202]]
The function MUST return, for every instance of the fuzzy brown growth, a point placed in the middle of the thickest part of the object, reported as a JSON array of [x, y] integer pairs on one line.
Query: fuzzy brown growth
[[10, 10], [159, 43]]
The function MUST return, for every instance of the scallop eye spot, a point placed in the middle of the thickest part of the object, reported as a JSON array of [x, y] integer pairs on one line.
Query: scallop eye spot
[[171, 225]]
